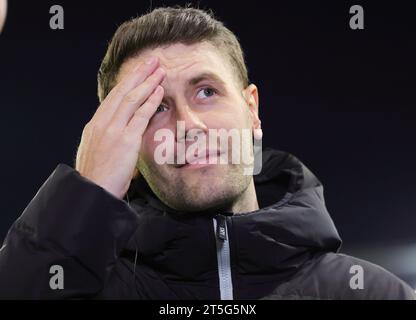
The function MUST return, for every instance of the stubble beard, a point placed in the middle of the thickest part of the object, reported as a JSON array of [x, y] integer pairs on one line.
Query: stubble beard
[[215, 187]]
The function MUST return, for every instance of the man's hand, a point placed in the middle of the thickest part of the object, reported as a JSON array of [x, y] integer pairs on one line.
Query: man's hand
[[111, 140]]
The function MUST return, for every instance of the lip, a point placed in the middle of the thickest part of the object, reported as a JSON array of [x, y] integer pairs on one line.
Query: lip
[[203, 161]]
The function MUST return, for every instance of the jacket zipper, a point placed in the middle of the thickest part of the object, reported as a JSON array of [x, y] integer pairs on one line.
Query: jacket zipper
[[223, 257]]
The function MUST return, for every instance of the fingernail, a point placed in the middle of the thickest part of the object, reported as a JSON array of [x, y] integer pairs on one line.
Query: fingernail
[[151, 61]]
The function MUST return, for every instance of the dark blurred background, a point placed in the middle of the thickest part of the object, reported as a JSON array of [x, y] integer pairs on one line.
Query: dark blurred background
[[341, 100]]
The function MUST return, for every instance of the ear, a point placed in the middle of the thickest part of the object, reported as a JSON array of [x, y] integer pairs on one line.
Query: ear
[[251, 96]]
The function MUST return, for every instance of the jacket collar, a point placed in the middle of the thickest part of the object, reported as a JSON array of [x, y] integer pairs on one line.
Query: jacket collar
[[291, 224]]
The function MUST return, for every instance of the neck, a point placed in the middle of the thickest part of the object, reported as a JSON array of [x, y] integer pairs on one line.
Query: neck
[[247, 202]]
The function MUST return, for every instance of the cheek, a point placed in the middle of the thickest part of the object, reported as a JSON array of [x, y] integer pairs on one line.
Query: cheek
[[148, 144], [155, 137], [232, 117]]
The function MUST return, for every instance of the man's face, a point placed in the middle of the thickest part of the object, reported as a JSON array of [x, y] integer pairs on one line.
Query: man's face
[[201, 90]]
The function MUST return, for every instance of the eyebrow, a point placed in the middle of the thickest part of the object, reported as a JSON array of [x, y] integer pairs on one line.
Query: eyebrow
[[206, 76]]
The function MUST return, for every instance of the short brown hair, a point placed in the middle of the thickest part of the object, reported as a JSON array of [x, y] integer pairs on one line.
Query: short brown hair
[[164, 26]]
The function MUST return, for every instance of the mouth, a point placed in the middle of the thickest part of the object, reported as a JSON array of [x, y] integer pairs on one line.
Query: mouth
[[209, 158]]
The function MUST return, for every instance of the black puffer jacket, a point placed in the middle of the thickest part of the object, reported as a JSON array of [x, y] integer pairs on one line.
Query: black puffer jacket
[[144, 250]]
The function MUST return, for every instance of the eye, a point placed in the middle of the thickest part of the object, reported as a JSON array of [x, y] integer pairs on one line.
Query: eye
[[206, 93], [161, 108]]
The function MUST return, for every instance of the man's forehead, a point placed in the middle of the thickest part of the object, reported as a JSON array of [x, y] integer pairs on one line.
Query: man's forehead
[[180, 60]]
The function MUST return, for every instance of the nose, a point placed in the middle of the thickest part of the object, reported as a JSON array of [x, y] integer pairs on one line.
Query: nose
[[186, 120]]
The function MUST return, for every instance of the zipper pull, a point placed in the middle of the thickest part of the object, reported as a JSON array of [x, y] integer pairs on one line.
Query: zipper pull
[[221, 227]]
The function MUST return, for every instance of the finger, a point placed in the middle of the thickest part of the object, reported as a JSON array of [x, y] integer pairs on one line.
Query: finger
[[138, 75], [135, 98], [140, 119]]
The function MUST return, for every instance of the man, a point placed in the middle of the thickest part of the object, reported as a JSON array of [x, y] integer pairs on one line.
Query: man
[[125, 225]]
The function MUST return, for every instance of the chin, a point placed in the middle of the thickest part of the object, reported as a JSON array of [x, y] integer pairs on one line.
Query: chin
[[209, 196]]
